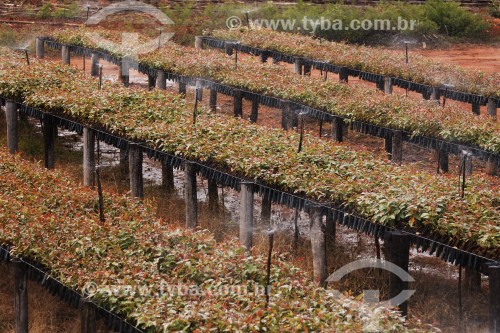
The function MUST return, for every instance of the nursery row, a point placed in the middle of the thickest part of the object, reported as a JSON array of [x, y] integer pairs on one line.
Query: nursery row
[[418, 118], [369, 59], [401, 197]]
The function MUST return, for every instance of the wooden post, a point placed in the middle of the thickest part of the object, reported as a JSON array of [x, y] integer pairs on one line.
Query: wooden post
[[443, 160], [190, 196], [397, 147], [254, 115], [49, 136], [213, 195], [398, 253], [20, 296], [298, 66], [238, 103], [491, 108], [476, 108], [265, 211], [65, 54], [318, 246], [87, 317], [387, 85], [199, 90], [11, 119], [343, 76], [246, 214], [88, 157], [161, 81], [494, 282], [135, 170], [94, 65], [182, 88], [213, 100], [40, 48], [337, 129], [198, 42], [167, 177]]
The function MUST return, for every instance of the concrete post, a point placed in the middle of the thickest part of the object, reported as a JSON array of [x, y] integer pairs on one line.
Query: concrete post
[[167, 177], [213, 100], [182, 88], [135, 170], [468, 162], [65, 55], [124, 72], [94, 65], [397, 147], [246, 214], [398, 253], [40, 48], [491, 167], [88, 157], [87, 317], [11, 119], [318, 246], [238, 103], [254, 115], [343, 76], [161, 81], [265, 212], [491, 108], [198, 42], [190, 196], [443, 160], [20, 296], [199, 91], [337, 129], [298, 66], [387, 85], [49, 136], [494, 311], [213, 195], [435, 94], [264, 55], [476, 108], [151, 82]]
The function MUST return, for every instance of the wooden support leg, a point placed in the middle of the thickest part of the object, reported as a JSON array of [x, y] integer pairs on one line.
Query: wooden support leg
[[213, 195], [213, 100], [40, 48], [494, 282], [238, 103], [161, 81], [65, 55], [337, 129], [87, 317], [167, 176], [254, 115], [397, 147], [265, 212]]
